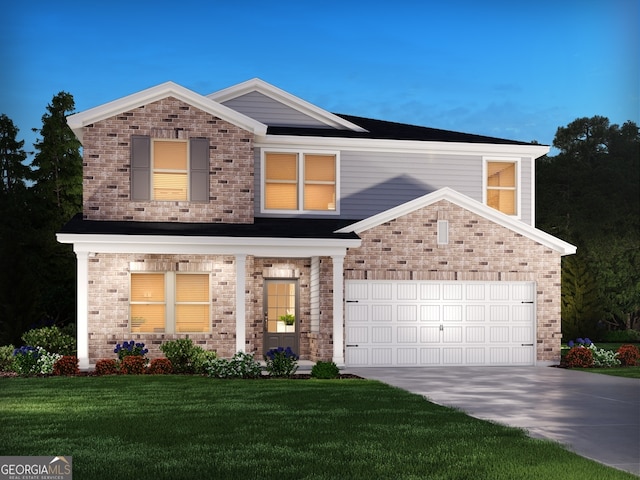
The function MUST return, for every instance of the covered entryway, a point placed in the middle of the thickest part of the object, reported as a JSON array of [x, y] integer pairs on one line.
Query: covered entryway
[[428, 323]]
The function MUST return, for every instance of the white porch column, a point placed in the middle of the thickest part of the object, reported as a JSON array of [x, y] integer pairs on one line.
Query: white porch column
[[338, 309], [241, 309], [82, 303]]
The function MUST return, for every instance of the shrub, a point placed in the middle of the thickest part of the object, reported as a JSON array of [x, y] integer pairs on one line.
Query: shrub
[[25, 361], [615, 336], [281, 362], [130, 348], [579, 357], [185, 356], [629, 355], [603, 358], [66, 365], [579, 342], [241, 365], [325, 370], [133, 365], [30, 360], [6, 358], [52, 339], [160, 366], [107, 366]]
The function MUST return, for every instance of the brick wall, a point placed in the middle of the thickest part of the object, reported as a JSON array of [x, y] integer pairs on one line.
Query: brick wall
[[406, 249], [108, 316], [106, 167]]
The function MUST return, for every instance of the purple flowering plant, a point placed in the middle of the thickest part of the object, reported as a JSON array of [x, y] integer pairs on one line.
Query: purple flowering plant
[[579, 342], [130, 348], [281, 362]]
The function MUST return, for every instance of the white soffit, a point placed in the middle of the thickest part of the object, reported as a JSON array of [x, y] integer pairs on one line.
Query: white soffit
[[260, 86], [467, 203], [153, 94]]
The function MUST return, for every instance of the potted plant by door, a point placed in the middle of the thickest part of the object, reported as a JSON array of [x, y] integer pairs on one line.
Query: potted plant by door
[[288, 321]]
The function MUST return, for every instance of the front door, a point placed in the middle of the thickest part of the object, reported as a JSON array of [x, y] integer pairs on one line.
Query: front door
[[281, 315]]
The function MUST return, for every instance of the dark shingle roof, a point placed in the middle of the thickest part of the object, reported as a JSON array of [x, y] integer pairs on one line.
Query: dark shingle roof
[[380, 129], [261, 228]]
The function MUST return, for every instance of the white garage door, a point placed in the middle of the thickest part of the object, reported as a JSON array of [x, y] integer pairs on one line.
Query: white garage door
[[401, 323]]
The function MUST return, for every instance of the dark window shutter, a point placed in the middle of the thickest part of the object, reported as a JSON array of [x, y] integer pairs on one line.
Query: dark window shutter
[[199, 169], [140, 168]]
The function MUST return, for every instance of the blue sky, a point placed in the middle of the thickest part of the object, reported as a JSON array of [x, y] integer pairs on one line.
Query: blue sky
[[502, 68]]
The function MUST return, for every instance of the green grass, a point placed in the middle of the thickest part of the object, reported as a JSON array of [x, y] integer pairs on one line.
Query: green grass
[[174, 427], [627, 372]]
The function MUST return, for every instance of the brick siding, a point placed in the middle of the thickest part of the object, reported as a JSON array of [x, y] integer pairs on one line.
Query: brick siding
[[107, 164], [407, 249]]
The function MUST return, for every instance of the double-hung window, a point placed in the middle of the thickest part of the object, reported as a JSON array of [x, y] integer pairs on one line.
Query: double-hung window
[[300, 181], [501, 185], [169, 303], [169, 169]]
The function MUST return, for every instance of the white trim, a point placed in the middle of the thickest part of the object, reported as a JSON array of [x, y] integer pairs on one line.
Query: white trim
[[153, 94], [467, 203], [82, 312], [518, 185], [338, 309], [400, 146], [279, 95], [241, 310], [533, 191], [256, 246], [300, 181]]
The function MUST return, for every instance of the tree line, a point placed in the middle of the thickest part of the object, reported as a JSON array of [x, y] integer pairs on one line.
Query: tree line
[[588, 194]]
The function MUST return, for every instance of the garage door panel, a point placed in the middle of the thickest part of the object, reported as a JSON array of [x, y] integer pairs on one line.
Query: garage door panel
[[475, 334], [407, 291], [475, 313], [407, 335], [475, 356], [357, 312], [430, 356], [430, 335], [357, 335], [452, 356], [411, 323], [407, 356], [430, 313], [381, 356], [452, 335], [381, 313], [381, 291], [408, 313], [381, 335]]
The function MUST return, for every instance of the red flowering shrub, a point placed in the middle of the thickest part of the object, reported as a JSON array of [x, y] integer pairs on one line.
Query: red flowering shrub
[[66, 365], [160, 366], [579, 357], [629, 355], [106, 367], [133, 365]]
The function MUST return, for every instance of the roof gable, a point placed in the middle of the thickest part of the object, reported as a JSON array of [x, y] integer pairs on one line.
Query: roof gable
[[329, 120], [467, 203], [164, 90]]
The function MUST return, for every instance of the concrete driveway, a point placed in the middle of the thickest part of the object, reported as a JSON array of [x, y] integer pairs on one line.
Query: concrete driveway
[[596, 416]]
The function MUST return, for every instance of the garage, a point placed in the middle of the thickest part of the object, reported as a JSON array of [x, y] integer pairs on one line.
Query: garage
[[430, 323]]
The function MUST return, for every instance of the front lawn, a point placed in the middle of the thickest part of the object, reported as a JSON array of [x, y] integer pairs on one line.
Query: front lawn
[[174, 427]]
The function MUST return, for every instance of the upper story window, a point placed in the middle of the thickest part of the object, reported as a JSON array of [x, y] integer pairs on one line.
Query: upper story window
[[170, 178], [169, 170], [169, 303], [501, 185], [300, 181]]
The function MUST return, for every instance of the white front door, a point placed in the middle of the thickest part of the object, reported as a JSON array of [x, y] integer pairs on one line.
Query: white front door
[[422, 323]]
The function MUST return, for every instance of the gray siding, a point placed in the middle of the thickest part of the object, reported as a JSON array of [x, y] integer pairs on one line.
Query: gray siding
[[372, 182], [271, 112]]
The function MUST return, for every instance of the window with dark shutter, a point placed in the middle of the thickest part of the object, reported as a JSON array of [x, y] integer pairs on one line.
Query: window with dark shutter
[[140, 168], [199, 169]]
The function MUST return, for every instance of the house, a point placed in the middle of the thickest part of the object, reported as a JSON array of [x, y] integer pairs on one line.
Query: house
[[218, 217]]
